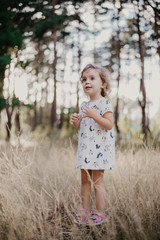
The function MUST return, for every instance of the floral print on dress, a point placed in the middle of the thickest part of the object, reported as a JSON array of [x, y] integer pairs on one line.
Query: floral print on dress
[[96, 145]]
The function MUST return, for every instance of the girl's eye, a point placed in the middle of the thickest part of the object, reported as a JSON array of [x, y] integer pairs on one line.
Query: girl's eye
[[92, 78], [83, 80]]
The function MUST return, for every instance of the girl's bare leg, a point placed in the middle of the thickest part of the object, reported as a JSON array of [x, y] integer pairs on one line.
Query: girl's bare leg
[[97, 177], [86, 188]]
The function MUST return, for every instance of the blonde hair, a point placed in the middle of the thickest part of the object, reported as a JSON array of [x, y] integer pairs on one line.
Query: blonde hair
[[104, 75]]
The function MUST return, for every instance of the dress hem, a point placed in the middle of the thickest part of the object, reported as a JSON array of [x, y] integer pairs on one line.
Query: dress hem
[[111, 168]]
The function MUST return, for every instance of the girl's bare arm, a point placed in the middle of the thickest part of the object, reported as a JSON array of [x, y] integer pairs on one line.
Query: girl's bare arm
[[76, 120]]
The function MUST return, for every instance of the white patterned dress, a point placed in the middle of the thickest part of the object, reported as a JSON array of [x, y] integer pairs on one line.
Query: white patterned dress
[[96, 145]]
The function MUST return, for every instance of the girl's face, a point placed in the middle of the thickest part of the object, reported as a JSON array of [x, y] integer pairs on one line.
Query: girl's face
[[92, 83]]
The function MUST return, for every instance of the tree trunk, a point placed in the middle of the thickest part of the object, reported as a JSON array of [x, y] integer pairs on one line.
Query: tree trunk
[[61, 118], [18, 129], [79, 66], [119, 74], [41, 115], [35, 115], [35, 119], [62, 115], [9, 112], [142, 99], [54, 104], [156, 19], [94, 38], [2, 74], [41, 107], [110, 67], [53, 3]]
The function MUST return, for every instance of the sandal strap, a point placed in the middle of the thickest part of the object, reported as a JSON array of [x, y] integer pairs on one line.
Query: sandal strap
[[99, 214], [96, 217], [83, 215]]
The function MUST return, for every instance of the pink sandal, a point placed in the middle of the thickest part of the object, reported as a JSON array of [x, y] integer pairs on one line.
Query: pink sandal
[[82, 218], [98, 218]]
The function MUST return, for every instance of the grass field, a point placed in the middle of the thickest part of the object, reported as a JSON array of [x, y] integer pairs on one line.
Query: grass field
[[39, 194]]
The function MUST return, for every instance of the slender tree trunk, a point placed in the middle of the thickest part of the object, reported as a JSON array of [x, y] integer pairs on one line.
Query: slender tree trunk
[[35, 115], [79, 66], [111, 56], [156, 31], [35, 119], [41, 115], [118, 76], [9, 112], [156, 19], [94, 38], [54, 104], [46, 109], [118, 80], [142, 100], [62, 115], [2, 74], [61, 118], [53, 3], [41, 108], [18, 129]]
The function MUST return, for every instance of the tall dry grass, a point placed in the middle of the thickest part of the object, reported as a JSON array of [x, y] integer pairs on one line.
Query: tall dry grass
[[39, 194]]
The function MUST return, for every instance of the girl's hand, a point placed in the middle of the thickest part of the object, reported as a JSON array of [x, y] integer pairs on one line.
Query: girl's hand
[[105, 121], [89, 111], [76, 119]]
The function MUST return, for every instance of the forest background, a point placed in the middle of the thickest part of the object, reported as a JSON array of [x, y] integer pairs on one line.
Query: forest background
[[45, 44]]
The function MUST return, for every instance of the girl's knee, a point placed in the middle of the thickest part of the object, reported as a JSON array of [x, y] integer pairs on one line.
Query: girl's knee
[[85, 177], [97, 176], [98, 184]]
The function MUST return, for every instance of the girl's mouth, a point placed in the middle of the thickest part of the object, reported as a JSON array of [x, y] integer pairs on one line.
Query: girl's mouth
[[87, 87]]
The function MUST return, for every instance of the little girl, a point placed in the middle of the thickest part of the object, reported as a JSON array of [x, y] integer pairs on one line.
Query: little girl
[[96, 143]]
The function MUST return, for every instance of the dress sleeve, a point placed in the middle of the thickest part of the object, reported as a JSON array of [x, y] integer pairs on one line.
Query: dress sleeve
[[106, 107]]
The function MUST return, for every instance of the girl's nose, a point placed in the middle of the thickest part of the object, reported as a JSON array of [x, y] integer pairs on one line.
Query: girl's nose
[[87, 81]]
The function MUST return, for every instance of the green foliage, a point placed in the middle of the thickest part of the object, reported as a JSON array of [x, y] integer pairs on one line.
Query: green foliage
[[30, 106], [10, 34], [53, 23], [22, 64], [3, 103], [4, 60], [16, 102]]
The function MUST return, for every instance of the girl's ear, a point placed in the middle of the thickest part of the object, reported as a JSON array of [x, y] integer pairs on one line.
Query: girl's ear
[[104, 84]]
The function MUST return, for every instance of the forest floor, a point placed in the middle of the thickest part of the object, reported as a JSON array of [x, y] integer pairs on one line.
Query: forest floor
[[40, 194]]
